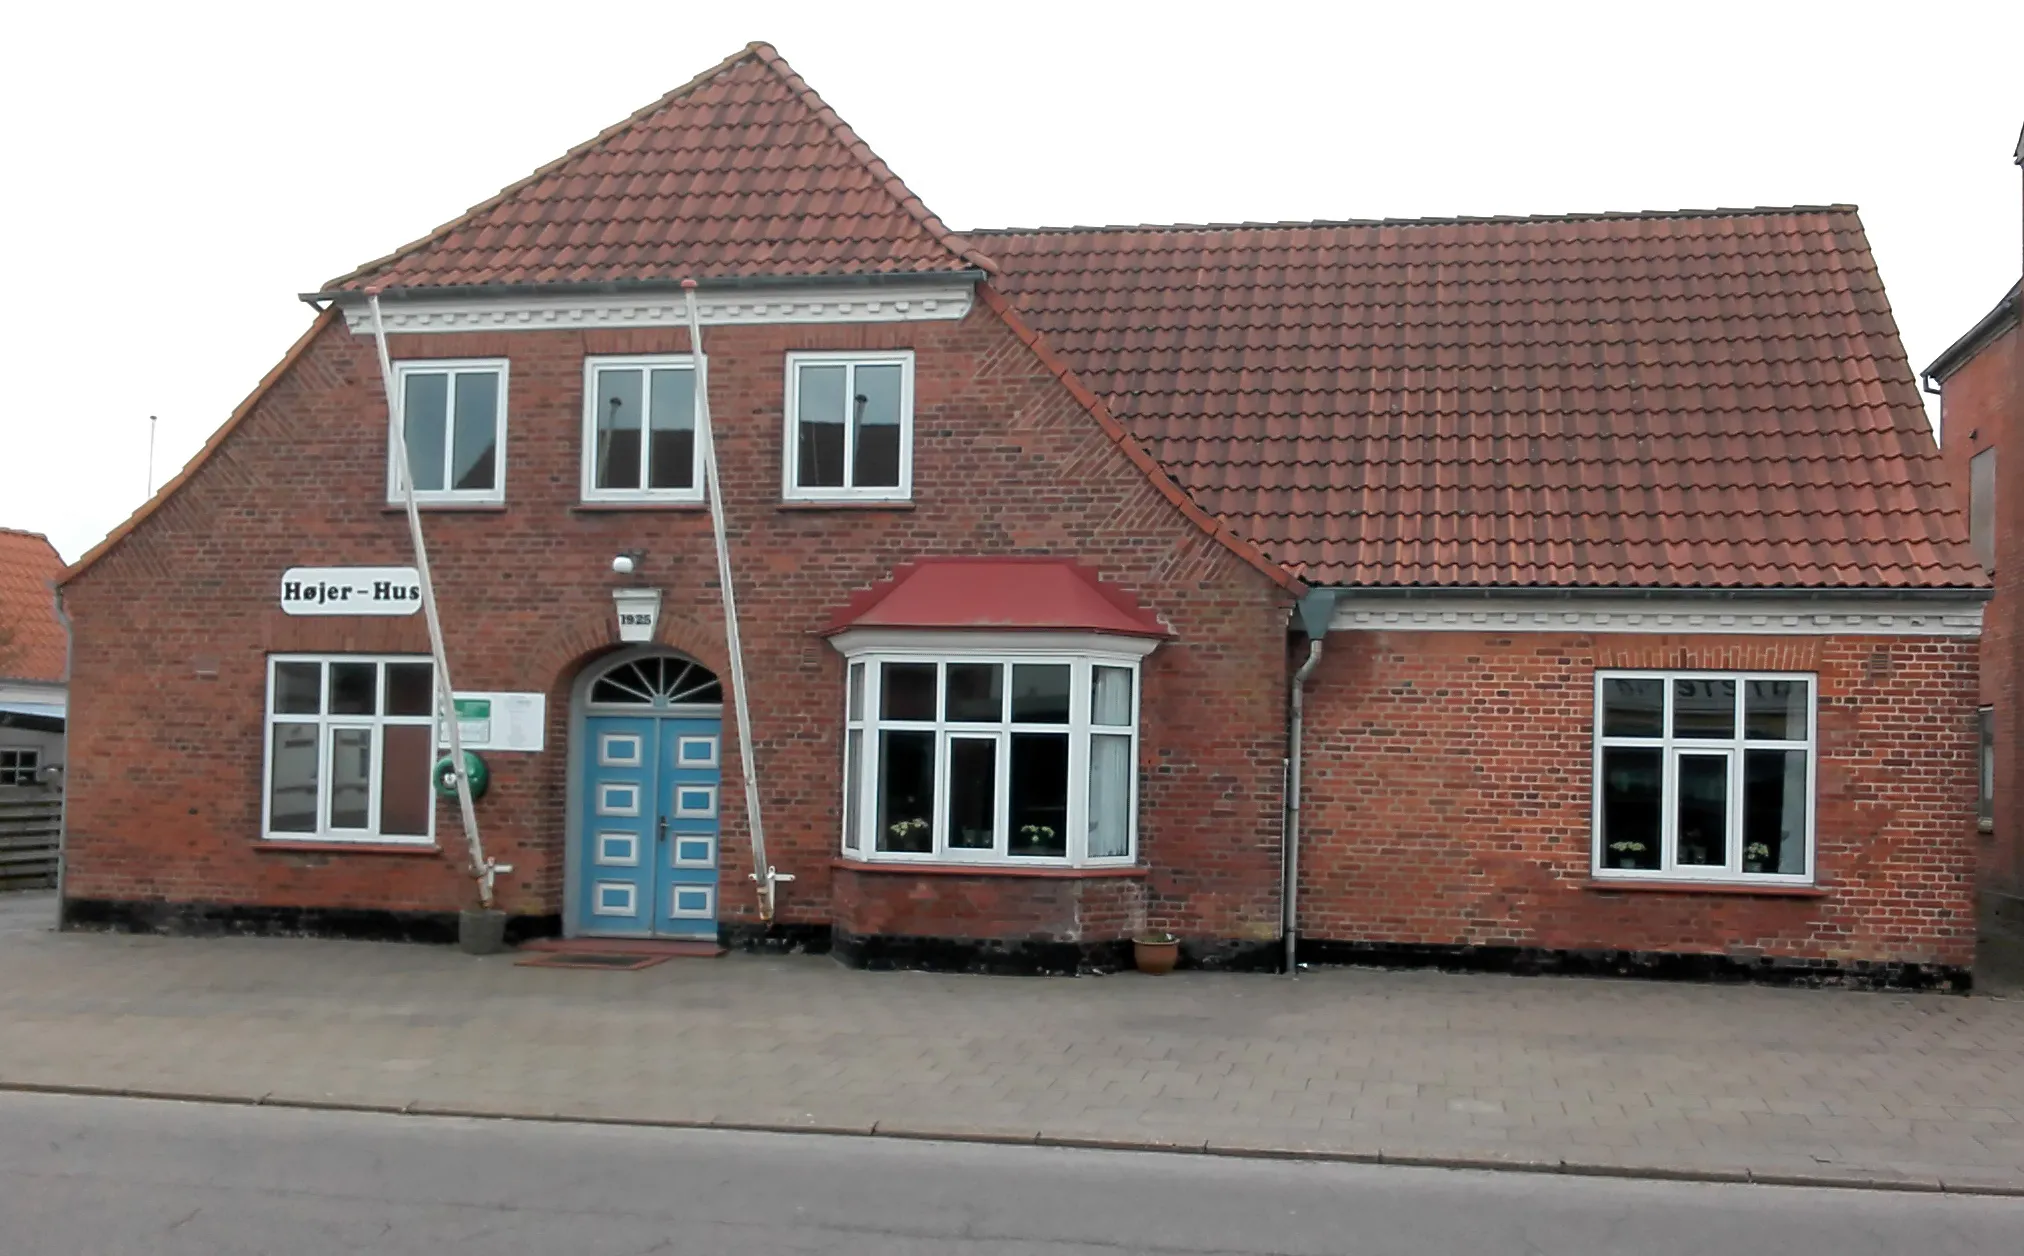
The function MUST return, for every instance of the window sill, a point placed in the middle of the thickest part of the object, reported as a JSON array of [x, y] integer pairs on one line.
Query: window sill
[[439, 508], [1608, 885], [284, 846], [874, 504], [988, 870], [607, 508]]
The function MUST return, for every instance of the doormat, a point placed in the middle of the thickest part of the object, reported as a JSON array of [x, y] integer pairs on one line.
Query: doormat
[[590, 959]]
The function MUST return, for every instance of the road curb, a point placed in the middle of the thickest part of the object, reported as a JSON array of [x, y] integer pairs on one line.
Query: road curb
[[1825, 1178]]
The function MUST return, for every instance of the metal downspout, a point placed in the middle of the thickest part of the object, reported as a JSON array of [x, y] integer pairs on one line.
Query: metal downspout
[[1317, 609]]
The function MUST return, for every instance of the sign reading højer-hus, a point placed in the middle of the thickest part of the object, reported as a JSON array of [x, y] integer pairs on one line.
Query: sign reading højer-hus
[[351, 591]]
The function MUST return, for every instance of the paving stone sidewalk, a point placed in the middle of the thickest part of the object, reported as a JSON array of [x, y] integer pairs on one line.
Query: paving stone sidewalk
[[1650, 1076]]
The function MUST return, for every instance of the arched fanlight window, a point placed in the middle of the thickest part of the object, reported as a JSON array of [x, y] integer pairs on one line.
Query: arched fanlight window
[[657, 682]]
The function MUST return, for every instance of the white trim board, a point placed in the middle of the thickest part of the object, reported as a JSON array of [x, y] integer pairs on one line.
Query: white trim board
[[1797, 616], [883, 303]]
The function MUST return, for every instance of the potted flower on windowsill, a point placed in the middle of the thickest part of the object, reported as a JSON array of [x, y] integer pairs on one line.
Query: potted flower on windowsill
[[1155, 951], [1625, 853], [904, 832], [1754, 856]]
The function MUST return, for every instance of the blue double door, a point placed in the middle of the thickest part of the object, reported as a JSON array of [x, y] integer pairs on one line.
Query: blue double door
[[647, 865]]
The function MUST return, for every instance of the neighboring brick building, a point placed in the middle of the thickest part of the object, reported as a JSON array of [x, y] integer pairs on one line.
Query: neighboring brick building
[[1029, 533], [34, 659], [1980, 379]]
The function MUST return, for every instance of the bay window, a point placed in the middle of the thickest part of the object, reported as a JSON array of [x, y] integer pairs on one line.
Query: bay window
[[350, 748], [1705, 776], [1019, 758]]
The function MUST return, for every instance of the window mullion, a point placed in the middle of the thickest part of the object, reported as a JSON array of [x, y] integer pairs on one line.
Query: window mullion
[[375, 775], [646, 428], [450, 432], [1001, 837], [1669, 772], [849, 428], [1081, 694]]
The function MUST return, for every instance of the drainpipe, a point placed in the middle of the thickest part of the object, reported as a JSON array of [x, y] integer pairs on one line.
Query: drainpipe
[[1317, 609]]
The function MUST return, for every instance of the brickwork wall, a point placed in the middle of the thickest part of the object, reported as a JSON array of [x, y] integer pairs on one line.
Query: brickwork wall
[[1982, 407], [173, 626], [1448, 798]]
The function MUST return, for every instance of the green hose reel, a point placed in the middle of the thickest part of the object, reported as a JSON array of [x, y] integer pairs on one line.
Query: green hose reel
[[474, 770]]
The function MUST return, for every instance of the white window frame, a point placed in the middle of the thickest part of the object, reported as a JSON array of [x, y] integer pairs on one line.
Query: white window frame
[[26, 768], [325, 723], [791, 455], [494, 496], [646, 364], [1081, 666], [1671, 748]]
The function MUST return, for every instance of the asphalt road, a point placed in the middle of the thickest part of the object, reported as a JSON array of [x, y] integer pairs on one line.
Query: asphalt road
[[106, 1177]]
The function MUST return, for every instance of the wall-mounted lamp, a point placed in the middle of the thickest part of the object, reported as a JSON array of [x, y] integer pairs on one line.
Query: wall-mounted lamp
[[627, 561]]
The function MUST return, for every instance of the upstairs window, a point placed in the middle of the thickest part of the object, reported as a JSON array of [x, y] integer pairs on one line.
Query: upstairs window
[[1704, 776], [639, 431], [850, 426], [455, 417], [350, 748]]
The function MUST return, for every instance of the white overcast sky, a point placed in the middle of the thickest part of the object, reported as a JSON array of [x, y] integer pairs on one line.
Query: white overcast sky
[[182, 171]]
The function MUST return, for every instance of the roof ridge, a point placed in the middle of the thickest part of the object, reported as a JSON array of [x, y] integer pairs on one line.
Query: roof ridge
[[1607, 215], [895, 187], [609, 133], [766, 55], [39, 536]]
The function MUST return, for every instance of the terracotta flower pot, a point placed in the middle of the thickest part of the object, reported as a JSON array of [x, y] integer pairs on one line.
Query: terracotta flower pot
[[1156, 953]]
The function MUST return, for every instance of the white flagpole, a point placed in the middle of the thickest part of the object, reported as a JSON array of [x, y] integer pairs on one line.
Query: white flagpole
[[481, 868], [762, 872]]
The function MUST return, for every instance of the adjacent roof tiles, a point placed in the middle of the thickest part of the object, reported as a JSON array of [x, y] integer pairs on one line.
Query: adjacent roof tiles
[[1007, 594], [33, 644], [1696, 399], [743, 171]]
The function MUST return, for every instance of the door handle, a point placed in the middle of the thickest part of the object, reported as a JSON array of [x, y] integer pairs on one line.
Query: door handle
[[663, 829]]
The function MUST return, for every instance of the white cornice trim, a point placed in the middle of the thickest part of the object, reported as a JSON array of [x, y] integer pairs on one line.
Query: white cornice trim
[[953, 641], [1799, 616], [882, 303]]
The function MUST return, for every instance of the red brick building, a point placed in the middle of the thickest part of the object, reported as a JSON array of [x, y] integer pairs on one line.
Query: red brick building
[[1605, 563], [1980, 379]]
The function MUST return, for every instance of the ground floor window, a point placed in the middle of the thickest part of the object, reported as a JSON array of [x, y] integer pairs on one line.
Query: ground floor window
[[1704, 775], [1022, 759], [20, 766], [350, 745]]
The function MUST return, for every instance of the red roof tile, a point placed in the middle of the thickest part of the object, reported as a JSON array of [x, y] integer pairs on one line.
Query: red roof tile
[[743, 171], [33, 644], [1709, 399], [1016, 594]]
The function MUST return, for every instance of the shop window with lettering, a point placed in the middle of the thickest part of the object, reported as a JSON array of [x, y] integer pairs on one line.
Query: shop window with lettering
[[1704, 776]]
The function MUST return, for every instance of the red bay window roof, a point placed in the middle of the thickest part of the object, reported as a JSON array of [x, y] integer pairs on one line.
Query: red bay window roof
[[998, 594]]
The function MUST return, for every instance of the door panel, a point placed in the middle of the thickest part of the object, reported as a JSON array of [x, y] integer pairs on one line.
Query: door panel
[[688, 795], [615, 882], [647, 864]]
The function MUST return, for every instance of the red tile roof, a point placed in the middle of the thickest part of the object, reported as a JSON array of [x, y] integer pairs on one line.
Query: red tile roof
[[1015, 594], [743, 171], [1700, 399], [33, 644]]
